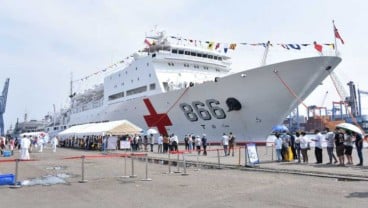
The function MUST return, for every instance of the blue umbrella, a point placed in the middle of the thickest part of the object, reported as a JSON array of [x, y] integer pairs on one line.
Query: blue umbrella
[[279, 128]]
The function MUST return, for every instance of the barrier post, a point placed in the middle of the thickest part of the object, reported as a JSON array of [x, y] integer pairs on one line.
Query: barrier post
[[177, 164], [169, 164], [197, 169], [16, 185], [245, 155], [272, 152], [239, 156], [146, 179], [132, 175], [218, 159], [125, 173], [185, 167], [83, 180]]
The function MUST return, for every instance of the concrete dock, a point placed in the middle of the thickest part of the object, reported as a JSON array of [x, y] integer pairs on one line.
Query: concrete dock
[[206, 184]]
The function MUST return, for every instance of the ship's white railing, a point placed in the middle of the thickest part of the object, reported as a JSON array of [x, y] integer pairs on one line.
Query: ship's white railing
[[223, 65]]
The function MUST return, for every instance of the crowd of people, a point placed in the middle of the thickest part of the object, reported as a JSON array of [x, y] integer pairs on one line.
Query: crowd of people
[[295, 147], [26, 144], [139, 142]]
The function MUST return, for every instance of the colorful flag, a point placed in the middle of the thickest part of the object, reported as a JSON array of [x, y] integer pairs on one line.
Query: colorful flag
[[147, 42], [294, 46], [317, 46], [337, 34], [217, 45], [330, 44], [232, 46], [285, 46], [210, 45]]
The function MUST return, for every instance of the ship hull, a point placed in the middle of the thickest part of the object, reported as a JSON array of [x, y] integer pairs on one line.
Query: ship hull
[[266, 96]]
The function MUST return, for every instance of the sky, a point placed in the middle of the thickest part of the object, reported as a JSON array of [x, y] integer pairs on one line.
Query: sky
[[43, 42]]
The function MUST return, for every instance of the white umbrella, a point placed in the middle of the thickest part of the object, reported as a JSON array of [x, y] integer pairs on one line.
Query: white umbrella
[[152, 131], [350, 127]]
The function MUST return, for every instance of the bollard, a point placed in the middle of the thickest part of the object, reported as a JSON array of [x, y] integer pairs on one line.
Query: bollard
[[83, 181], [197, 169], [132, 175], [125, 173], [185, 167], [218, 159], [146, 179], [177, 165], [16, 185]]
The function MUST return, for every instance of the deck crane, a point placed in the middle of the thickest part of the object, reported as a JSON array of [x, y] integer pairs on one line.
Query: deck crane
[[324, 99], [3, 98]]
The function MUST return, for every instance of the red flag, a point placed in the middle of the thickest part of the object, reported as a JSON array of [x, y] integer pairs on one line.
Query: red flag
[[217, 46], [147, 42], [337, 34], [317, 46]]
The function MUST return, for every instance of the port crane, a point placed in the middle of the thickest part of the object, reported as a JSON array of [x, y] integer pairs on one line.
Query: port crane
[[3, 98]]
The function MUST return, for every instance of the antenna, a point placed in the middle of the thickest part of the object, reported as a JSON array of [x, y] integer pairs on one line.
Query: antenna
[[71, 84]]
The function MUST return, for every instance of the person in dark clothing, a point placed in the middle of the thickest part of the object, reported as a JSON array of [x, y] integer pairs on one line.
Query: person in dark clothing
[[292, 145], [186, 141], [359, 147], [339, 143], [204, 144], [297, 146]]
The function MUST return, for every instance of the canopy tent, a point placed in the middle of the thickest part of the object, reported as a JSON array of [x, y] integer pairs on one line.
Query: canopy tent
[[72, 130], [120, 127]]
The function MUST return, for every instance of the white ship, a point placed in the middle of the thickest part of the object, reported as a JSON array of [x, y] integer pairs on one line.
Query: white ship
[[186, 89]]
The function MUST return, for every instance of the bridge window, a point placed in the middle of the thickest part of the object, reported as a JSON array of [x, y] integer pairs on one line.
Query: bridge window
[[205, 55], [210, 56], [199, 54], [187, 53], [215, 57], [136, 90], [116, 96], [193, 54], [166, 86], [152, 86], [174, 51], [181, 52]]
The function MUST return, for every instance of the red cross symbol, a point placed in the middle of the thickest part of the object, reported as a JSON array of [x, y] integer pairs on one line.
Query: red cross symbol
[[156, 120]]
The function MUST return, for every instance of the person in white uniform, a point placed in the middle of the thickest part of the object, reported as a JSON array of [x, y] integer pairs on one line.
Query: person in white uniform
[[54, 143], [40, 142], [25, 143]]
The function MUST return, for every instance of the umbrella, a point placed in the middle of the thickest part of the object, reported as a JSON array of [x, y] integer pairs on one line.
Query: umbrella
[[279, 128], [350, 127], [152, 131]]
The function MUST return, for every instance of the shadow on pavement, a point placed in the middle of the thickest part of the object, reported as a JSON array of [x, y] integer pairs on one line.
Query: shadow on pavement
[[358, 195]]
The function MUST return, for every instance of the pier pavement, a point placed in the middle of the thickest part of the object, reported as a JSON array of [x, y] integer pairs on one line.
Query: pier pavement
[[233, 185]]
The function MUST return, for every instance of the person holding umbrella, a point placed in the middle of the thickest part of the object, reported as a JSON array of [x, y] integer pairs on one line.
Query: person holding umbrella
[[339, 143]]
